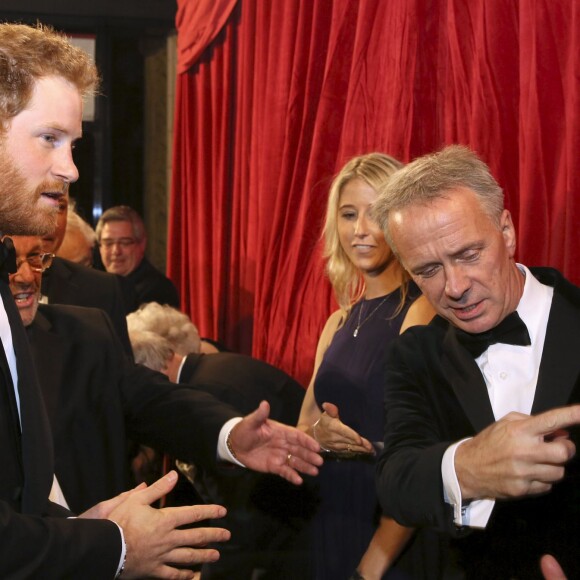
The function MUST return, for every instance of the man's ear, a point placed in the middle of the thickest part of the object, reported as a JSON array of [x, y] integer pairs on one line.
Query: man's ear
[[508, 232]]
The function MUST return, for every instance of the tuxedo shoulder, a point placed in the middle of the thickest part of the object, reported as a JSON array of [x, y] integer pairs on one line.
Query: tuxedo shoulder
[[433, 331], [418, 344], [552, 277], [66, 314], [79, 270]]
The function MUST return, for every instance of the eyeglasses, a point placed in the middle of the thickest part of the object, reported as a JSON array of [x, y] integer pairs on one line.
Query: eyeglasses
[[37, 262], [123, 242]]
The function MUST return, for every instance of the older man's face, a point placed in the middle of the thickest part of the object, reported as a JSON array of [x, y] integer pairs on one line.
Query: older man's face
[[120, 251], [53, 241], [25, 283], [460, 259], [36, 165]]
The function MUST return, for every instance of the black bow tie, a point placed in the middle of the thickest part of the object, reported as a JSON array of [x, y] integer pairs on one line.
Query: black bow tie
[[511, 330], [7, 259]]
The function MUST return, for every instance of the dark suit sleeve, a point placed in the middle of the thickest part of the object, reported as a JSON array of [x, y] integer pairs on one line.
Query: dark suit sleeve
[[56, 548], [173, 418], [409, 482]]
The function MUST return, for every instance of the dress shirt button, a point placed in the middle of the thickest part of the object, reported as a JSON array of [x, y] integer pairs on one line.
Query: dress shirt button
[[503, 375]]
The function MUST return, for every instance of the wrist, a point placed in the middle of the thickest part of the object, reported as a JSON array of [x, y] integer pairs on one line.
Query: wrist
[[322, 448], [356, 575], [229, 444]]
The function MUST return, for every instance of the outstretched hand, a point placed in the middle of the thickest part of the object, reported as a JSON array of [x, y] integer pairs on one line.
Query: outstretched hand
[[334, 435], [518, 455], [154, 543], [265, 445]]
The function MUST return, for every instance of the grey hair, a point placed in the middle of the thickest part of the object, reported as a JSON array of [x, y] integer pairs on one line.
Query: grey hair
[[75, 222], [122, 213], [150, 349], [168, 322], [433, 176]]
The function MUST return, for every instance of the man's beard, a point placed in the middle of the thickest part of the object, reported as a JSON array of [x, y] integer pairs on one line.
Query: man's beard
[[20, 214]]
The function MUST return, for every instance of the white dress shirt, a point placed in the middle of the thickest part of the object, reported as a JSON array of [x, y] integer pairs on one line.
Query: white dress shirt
[[511, 374]]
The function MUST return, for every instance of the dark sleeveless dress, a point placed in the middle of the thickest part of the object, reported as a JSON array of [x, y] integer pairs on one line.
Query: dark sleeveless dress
[[351, 376]]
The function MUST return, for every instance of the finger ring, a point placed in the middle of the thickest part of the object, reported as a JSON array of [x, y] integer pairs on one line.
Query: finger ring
[[288, 459]]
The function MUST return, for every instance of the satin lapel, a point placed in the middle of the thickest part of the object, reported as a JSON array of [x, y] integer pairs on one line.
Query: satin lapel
[[560, 366], [48, 353], [37, 452], [9, 386], [467, 382]]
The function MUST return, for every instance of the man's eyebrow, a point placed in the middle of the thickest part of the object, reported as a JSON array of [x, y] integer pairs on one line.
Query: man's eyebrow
[[57, 127]]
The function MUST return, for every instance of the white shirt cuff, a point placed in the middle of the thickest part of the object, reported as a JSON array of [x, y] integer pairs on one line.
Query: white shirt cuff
[[121, 565], [477, 513], [222, 450]]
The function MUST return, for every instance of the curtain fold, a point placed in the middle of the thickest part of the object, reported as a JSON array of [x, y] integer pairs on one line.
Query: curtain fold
[[289, 90], [198, 22]]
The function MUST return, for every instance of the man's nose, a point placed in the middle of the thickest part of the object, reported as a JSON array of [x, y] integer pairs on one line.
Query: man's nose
[[64, 167], [25, 274], [457, 282]]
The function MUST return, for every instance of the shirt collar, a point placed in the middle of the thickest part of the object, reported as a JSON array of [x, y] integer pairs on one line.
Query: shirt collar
[[534, 305], [180, 369]]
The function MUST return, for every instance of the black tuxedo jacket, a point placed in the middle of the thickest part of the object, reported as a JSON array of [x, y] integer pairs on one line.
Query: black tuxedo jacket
[[32, 546], [96, 398], [244, 382], [152, 286], [68, 283], [435, 395]]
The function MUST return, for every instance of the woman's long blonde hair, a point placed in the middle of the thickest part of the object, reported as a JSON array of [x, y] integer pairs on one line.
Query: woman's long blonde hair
[[347, 281]]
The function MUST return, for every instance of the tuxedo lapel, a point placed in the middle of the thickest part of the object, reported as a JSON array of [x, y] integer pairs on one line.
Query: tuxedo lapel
[[37, 453], [8, 385], [560, 366], [48, 351], [466, 380]]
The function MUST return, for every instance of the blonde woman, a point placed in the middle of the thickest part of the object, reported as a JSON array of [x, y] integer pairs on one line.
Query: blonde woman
[[343, 408]]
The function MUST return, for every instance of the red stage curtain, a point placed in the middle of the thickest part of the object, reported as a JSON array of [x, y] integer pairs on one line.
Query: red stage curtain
[[199, 23], [289, 90]]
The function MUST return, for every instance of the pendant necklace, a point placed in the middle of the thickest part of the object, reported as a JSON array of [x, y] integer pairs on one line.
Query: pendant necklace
[[359, 324]]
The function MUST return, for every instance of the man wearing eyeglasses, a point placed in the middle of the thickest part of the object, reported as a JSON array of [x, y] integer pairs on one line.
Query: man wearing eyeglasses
[[69, 283], [122, 241], [31, 261]]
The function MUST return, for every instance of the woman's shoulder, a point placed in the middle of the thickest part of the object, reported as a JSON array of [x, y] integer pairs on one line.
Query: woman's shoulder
[[334, 322], [420, 313]]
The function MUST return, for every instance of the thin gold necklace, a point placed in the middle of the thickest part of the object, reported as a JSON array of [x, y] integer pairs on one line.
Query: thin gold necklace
[[359, 324]]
